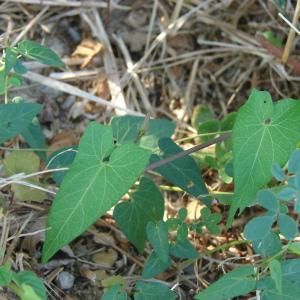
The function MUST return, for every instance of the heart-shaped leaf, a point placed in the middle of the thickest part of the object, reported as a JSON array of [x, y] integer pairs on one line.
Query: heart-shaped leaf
[[100, 174], [39, 52], [14, 117], [264, 133], [158, 237], [132, 216]]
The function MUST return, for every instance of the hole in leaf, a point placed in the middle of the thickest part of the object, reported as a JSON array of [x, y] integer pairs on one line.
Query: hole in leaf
[[105, 159], [267, 121], [190, 184]]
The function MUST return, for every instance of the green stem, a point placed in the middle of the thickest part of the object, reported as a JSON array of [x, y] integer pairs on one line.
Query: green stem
[[6, 89]]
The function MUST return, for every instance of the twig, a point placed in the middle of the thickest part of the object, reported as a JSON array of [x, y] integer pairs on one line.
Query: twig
[[196, 148], [291, 36], [72, 90]]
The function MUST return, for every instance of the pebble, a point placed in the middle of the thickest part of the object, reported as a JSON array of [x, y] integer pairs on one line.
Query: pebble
[[65, 280]]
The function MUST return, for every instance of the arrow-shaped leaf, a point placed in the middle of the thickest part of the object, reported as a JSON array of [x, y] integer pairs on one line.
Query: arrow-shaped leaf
[[264, 133], [97, 179]]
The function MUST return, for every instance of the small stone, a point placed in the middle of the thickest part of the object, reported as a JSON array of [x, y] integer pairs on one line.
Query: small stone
[[65, 280], [68, 102]]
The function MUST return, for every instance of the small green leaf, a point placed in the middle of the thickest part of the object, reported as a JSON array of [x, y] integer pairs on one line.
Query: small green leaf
[[132, 216], [291, 270], [40, 53], [32, 286], [268, 200], [294, 162], [183, 249], [238, 282], [115, 293], [5, 274], [201, 114], [126, 129], [208, 129], [273, 39], [182, 214], [10, 60], [153, 291], [20, 68], [276, 274], [268, 245], [258, 228], [158, 237], [99, 176], [277, 172], [294, 248], [154, 265], [15, 117], [182, 172], [290, 291], [261, 129], [15, 80], [287, 194], [288, 227]]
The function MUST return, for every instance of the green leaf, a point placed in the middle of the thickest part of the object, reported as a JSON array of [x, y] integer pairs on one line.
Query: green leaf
[[40, 53], [127, 129], [115, 293], [99, 176], [15, 117], [10, 60], [61, 158], [32, 286], [238, 282], [201, 114], [268, 200], [268, 245], [211, 220], [146, 204], [288, 227], [15, 80], [158, 237], [290, 291], [182, 214], [20, 68], [273, 39], [182, 172], [183, 249], [153, 291], [277, 172], [291, 270], [287, 194], [264, 133], [258, 227], [5, 274], [276, 274], [294, 162], [209, 129], [35, 138], [294, 248], [154, 265]]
